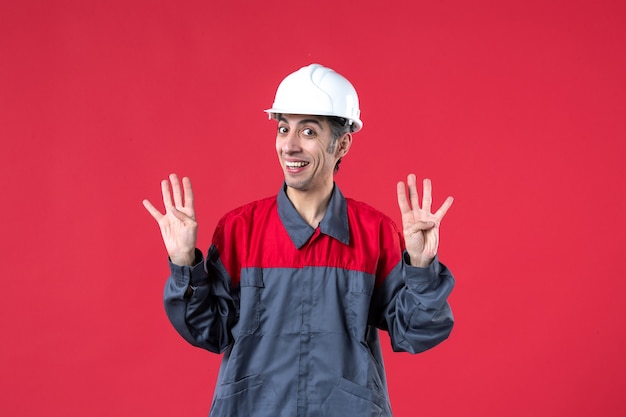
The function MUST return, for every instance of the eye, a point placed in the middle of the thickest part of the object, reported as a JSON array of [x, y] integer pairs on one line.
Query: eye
[[307, 131], [282, 130]]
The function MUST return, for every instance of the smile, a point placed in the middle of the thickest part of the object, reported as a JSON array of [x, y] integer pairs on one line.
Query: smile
[[299, 164]]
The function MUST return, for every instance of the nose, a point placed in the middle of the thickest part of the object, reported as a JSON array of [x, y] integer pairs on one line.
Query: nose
[[291, 143]]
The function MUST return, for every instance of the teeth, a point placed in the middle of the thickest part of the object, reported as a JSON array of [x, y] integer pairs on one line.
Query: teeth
[[296, 164]]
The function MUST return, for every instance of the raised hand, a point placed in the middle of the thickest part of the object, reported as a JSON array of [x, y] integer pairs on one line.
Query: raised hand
[[420, 226], [178, 225]]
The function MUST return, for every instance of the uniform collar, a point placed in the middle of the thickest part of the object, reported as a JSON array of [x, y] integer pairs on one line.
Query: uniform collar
[[334, 223]]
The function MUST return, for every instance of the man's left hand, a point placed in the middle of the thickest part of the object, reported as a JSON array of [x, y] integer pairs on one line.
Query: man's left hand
[[420, 226]]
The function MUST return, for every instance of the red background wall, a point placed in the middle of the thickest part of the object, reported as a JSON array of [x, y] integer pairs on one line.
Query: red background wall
[[515, 108]]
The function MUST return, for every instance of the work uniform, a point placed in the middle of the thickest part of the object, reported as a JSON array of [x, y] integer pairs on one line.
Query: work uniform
[[295, 310]]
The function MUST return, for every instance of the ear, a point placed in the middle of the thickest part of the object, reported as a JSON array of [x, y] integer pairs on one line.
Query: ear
[[343, 145]]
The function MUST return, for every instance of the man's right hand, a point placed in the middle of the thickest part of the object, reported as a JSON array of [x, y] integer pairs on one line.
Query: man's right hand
[[178, 225]]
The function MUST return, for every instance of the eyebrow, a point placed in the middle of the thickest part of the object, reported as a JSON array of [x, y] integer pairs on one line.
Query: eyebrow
[[304, 121]]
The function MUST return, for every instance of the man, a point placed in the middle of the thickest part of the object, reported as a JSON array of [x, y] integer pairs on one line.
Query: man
[[296, 286]]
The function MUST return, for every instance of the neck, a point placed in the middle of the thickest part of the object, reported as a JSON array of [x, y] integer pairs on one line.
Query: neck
[[311, 205]]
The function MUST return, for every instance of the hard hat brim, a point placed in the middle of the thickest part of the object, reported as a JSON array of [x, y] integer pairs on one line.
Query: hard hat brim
[[358, 124]]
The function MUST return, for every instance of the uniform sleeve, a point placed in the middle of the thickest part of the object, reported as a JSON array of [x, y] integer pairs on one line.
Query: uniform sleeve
[[201, 303], [411, 303]]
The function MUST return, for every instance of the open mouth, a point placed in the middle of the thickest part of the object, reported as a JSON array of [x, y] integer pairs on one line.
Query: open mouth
[[296, 165]]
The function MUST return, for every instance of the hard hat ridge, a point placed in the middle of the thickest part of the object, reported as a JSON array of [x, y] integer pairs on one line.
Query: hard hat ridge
[[320, 91]]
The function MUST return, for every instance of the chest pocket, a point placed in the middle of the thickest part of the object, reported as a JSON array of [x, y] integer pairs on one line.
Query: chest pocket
[[360, 290], [251, 285]]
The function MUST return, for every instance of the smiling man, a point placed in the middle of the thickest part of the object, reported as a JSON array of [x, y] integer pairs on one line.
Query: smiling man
[[295, 287], [309, 150]]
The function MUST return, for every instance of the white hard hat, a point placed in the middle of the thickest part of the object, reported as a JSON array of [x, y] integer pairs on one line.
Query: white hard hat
[[318, 91]]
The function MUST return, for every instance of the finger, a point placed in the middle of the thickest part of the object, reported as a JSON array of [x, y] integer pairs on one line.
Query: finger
[[188, 192], [178, 195], [412, 183], [444, 208], [427, 199], [402, 201], [167, 196], [152, 210]]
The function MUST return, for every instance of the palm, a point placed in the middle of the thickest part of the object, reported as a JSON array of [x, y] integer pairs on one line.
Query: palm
[[419, 225], [177, 230], [178, 225]]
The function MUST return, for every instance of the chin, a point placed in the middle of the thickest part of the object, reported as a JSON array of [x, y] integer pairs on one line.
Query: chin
[[297, 185]]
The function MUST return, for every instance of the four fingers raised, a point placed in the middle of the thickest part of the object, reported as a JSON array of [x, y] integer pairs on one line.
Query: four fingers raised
[[174, 198], [414, 206]]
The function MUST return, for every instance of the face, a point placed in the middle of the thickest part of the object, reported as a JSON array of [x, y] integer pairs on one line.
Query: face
[[307, 153]]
